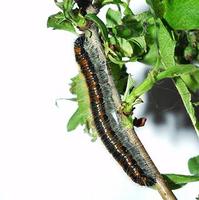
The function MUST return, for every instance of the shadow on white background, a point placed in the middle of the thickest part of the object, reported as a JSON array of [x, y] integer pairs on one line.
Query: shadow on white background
[[39, 160]]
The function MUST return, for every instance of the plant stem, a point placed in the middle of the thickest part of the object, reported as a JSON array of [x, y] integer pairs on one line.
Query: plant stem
[[160, 185], [145, 86]]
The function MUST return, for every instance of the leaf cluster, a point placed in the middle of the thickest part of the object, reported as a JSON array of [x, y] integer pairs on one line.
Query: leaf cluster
[[166, 37]]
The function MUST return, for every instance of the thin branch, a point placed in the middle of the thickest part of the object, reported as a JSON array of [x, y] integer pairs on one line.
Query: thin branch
[[161, 186]]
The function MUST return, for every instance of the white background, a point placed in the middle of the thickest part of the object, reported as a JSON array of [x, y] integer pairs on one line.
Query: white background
[[39, 160]]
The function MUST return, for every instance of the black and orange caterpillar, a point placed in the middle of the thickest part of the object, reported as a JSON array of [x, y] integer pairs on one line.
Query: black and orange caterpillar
[[89, 55]]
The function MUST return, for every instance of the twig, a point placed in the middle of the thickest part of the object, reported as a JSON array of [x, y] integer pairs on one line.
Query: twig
[[161, 186]]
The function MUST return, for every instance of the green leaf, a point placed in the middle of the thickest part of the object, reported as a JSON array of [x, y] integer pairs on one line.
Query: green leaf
[[177, 70], [192, 81], [68, 5], [120, 76], [151, 57], [176, 181], [82, 115], [59, 4], [125, 47], [101, 3], [158, 7], [78, 19], [75, 120], [144, 17], [100, 25], [116, 60], [113, 18], [186, 98], [193, 165], [182, 15], [171, 184], [140, 42], [196, 103], [127, 9], [58, 21], [161, 45], [126, 31], [190, 52], [166, 46]]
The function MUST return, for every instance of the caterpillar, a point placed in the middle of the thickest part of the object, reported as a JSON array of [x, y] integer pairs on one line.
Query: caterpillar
[[89, 55]]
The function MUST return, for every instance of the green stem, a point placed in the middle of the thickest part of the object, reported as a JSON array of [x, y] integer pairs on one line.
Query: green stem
[[142, 88]]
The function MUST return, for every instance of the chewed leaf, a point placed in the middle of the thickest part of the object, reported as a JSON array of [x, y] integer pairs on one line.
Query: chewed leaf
[[58, 21], [186, 98], [82, 115], [75, 120], [176, 181], [193, 165]]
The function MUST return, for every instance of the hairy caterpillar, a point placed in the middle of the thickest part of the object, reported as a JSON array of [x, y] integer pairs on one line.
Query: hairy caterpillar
[[91, 59]]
